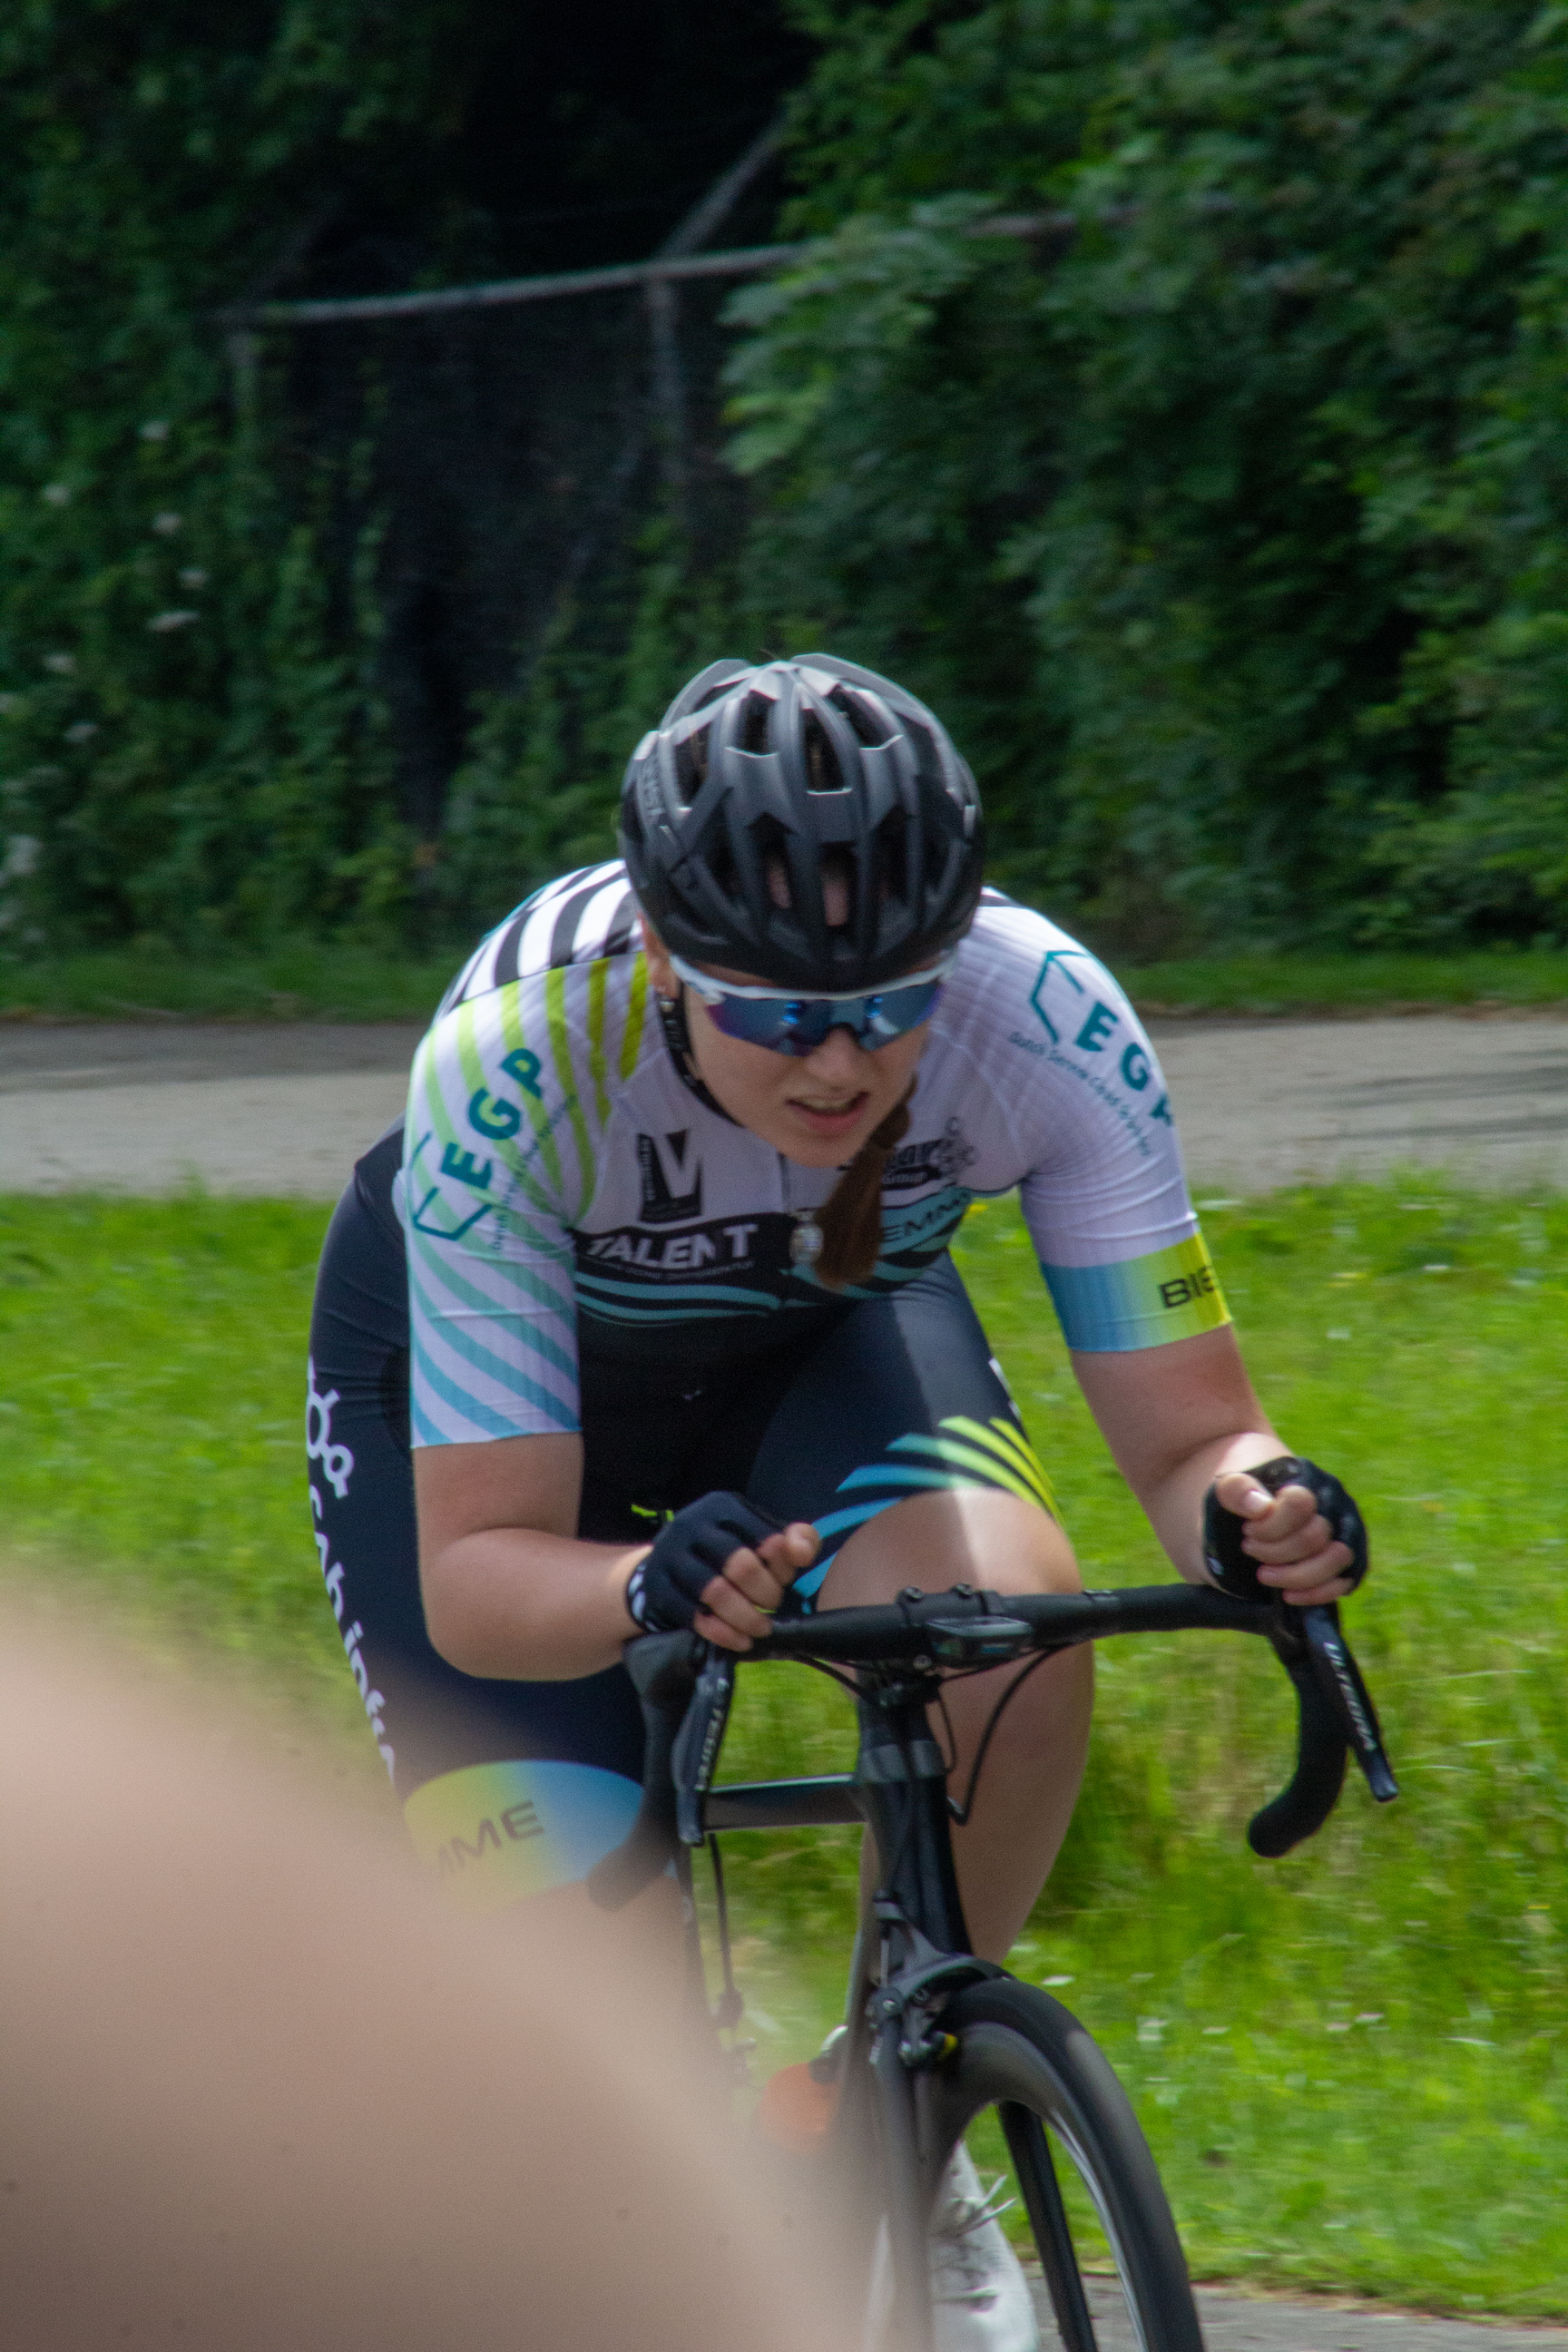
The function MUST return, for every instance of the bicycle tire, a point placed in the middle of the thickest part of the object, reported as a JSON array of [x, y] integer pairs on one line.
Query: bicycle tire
[[1024, 2055]]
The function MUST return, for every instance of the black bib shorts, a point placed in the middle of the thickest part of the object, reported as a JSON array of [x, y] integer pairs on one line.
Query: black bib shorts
[[512, 1787]]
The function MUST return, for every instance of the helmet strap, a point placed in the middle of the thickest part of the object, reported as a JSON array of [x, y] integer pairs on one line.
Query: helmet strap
[[678, 1038]]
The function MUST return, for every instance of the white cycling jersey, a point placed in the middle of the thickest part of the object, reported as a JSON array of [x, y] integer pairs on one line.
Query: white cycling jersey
[[564, 1192]]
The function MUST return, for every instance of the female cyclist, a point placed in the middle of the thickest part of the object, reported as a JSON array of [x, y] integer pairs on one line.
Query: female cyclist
[[646, 1318]]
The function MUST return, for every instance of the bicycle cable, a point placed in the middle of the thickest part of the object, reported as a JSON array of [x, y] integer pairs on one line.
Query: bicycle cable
[[844, 1682], [950, 1761], [960, 1813]]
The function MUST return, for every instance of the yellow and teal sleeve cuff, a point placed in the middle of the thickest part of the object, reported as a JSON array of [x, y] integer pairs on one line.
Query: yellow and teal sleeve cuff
[[1143, 1303]]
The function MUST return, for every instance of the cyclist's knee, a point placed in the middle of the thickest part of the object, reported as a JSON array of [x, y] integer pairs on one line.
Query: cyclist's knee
[[963, 1535]]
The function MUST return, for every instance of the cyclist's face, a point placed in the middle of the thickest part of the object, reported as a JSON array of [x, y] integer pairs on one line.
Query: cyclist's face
[[817, 1111]]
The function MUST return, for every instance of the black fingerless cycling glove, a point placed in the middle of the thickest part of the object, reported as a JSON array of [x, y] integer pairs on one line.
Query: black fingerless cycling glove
[[1235, 1570], [666, 1590]]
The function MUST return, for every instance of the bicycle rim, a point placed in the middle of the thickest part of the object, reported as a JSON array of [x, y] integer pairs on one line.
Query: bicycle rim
[[1036, 2103]]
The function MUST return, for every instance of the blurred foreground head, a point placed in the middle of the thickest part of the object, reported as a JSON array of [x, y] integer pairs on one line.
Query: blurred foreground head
[[258, 2090]]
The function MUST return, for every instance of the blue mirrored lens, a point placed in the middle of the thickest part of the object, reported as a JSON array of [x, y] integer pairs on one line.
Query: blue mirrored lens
[[799, 1025], [899, 1010]]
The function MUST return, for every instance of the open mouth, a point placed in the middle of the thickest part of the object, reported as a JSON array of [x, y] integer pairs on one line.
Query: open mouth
[[825, 1118]]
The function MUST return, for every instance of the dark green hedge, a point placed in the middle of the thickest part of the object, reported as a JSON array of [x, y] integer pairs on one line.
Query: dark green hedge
[[1227, 528], [1232, 527], [258, 601]]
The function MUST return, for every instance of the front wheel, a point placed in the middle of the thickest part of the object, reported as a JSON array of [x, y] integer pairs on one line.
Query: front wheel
[[1024, 2088]]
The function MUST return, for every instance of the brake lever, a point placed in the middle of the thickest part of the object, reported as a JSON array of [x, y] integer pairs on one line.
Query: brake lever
[[1338, 1678], [1336, 1718], [696, 1749]]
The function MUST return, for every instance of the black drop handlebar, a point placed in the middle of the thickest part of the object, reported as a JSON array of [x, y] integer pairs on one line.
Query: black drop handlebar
[[685, 1684]]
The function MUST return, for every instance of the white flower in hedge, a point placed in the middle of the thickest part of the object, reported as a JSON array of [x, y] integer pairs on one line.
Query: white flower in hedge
[[61, 665], [57, 494], [161, 622], [192, 576], [82, 732], [23, 851], [167, 523], [155, 429]]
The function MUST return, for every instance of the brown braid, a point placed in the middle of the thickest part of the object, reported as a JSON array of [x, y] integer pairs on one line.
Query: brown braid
[[851, 1218]]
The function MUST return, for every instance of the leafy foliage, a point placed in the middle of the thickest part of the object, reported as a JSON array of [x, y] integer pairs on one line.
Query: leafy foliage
[[249, 623], [1223, 516], [185, 734], [1226, 519]]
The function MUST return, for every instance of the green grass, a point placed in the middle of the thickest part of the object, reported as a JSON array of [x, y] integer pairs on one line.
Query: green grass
[[304, 980], [300, 981], [1352, 2063], [152, 1363]]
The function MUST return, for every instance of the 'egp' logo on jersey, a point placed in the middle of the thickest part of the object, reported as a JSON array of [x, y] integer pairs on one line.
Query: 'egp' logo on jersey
[[1059, 997], [1075, 1016], [661, 1204]]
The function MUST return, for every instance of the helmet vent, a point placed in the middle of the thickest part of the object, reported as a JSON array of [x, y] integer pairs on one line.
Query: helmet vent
[[928, 764], [893, 838], [691, 766], [721, 862], [822, 773], [850, 707], [771, 845], [755, 723], [840, 873]]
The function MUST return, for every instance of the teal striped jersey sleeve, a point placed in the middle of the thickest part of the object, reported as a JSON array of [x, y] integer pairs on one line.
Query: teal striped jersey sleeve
[[507, 1105]]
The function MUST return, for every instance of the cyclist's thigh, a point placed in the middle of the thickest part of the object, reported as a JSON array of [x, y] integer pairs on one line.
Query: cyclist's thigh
[[508, 1787], [903, 1398]]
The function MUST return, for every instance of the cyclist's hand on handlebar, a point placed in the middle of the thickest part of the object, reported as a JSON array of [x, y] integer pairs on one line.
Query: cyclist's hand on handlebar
[[717, 1566], [755, 1580], [1287, 1539]]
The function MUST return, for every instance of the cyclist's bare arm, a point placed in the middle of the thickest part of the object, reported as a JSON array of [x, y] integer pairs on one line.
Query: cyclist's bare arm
[[1179, 1417], [509, 1591]]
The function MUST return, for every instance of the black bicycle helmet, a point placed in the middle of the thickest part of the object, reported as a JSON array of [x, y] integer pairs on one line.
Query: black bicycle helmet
[[780, 766]]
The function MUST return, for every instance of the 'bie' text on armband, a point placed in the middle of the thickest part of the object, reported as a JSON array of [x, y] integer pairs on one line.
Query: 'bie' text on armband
[[1171, 1294]]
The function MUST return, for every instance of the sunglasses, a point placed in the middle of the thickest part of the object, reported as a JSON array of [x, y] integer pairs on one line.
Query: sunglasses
[[797, 1025]]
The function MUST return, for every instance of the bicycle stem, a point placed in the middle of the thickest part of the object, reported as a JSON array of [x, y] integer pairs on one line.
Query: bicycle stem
[[900, 1782]]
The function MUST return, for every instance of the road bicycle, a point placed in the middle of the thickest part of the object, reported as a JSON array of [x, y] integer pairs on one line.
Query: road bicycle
[[937, 2044]]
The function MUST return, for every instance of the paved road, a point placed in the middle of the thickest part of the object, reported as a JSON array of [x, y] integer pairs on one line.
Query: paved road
[[281, 1108], [1262, 1103], [145, 1108], [1237, 2323]]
